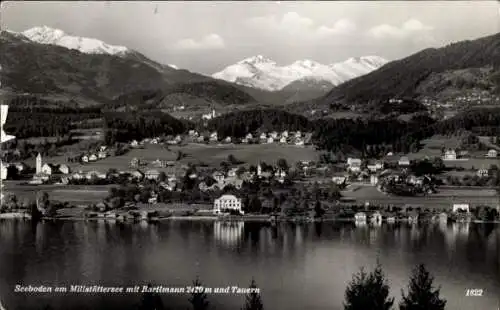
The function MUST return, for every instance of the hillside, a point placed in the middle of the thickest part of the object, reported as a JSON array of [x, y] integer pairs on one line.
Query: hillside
[[191, 96], [67, 77], [415, 76]]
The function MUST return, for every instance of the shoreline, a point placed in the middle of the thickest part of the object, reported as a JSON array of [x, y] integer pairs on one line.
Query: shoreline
[[257, 219]]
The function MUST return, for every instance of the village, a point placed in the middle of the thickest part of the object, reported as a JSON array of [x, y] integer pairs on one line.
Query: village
[[162, 174]]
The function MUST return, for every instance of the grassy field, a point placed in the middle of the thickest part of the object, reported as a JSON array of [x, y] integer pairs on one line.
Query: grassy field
[[445, 198], [432, 147], [250, 154], [195, 153], [79, 194], [472, 163]]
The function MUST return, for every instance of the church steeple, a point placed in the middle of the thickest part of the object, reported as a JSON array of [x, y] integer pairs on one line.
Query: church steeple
[[39, 163]]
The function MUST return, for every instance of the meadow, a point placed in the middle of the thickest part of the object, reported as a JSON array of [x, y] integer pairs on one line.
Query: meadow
[[211, 155], [444, 199]]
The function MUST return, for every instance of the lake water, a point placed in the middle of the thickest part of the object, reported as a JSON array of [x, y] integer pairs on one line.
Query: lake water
[[296, 266]]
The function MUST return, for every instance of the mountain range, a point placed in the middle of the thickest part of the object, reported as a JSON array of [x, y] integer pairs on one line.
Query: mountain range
[[264, 73], [76, 71], [456, 70]]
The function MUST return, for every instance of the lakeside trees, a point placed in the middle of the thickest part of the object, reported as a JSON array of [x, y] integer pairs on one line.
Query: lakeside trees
[[368, 291], [371, 291], [421, 294]]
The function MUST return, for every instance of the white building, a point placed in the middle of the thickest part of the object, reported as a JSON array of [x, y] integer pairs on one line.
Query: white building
[[450, 155], [227, 202], [461, 206], [360, 217], [283, 140], [373, 180], [270, 140], [492, 154], [3, 171], [404, 161]]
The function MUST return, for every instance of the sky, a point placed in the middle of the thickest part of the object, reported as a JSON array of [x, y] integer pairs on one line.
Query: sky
[[206, 36]]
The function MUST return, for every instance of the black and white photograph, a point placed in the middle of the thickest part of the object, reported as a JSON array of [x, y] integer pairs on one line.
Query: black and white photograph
[[250, 155]]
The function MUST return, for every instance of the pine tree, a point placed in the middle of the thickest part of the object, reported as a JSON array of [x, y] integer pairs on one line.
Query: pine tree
[[368, 291], [421, 295], [198, 298], [253, 300]]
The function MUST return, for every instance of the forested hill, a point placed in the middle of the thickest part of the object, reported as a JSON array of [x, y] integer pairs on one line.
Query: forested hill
[[190, 95], [239, 123], [402, 78]]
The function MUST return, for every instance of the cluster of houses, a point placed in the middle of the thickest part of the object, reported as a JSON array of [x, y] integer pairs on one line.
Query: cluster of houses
[[451, 154], [102, 153], [377, 217], [289, 138]]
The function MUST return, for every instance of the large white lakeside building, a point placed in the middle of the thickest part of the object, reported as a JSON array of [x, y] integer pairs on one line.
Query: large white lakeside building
[[227, 203]]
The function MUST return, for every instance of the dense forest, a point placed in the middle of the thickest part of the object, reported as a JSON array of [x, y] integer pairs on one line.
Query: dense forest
[[239, 123], [337, 134], [127, 126], [402, 77], [26, 122]]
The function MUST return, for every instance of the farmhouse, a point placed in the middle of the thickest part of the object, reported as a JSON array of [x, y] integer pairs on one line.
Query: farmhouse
[[450, 155], [218, 176], [159, 163], [64, 169], [354, 164], [339, 179], [404, 161], [360, 217], [152, 174], [492, 154], [464, 207], [93, 157], [102, 154], [48, 169], [283, 140], [482, 173], [134, 162], [299, 142], [227, 202], [227, 140], [85, 159], [77, 176], [270, 140], [95, 174]]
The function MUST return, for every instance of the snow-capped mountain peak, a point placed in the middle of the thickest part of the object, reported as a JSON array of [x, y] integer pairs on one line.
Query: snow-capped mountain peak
[[257, 60], [48, 35], [263, 73], [306, 63]]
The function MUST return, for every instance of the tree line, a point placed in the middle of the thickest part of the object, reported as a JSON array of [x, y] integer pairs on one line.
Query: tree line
[[365, 291]]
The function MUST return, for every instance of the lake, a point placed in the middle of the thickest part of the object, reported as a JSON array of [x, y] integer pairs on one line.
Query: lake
[[296, 267]]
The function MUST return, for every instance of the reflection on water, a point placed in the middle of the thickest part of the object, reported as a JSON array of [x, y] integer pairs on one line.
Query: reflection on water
[[297, 266], [228, 233]]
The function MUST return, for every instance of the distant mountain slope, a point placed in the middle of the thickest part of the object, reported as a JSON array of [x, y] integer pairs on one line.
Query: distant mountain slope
[[47, 35], [416, 76], [263, 73], [196, 95], [68, 76]]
